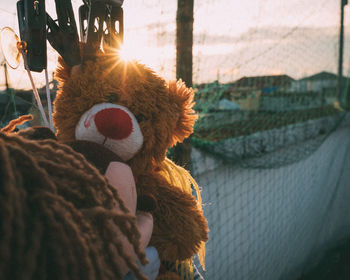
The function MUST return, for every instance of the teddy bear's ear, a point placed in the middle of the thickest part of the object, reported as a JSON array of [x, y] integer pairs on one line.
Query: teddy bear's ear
[[182, 100], [63, 70]]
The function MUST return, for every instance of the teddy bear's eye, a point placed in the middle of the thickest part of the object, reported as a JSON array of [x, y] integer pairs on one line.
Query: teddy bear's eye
[[140, 118], [113, 97]]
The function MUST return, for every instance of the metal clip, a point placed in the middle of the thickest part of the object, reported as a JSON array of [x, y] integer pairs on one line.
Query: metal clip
[[32, 27]]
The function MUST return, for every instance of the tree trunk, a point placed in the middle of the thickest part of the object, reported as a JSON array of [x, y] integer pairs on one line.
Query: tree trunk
[[184, 44]]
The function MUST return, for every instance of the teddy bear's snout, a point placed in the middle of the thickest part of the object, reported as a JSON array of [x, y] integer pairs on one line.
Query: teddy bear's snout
[[113, 123], [113, 126]]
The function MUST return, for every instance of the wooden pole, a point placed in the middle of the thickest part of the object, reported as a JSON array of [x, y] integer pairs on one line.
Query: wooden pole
[[340, 85], [184, 40], [184, 46]]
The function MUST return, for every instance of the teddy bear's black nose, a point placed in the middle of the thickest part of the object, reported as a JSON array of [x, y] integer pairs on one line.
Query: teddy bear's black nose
[[113, 123]]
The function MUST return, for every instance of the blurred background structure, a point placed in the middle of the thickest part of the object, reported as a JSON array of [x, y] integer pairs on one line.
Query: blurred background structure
[[271, 148]]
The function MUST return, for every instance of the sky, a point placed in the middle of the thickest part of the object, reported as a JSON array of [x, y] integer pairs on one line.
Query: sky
[[232, 38]]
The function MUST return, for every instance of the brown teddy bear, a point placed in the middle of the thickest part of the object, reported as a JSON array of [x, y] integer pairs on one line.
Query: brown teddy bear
[[127, 108]]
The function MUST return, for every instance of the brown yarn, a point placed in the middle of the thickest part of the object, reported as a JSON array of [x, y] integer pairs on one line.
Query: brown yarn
[[58, 215], [20, 120]]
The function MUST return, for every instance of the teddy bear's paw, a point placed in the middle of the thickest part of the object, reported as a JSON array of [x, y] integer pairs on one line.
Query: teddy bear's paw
[[180, 227], [175, 247]]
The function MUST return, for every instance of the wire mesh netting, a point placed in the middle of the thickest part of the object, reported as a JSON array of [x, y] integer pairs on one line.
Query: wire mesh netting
[[266, 223], [271, 145], [266, 151]]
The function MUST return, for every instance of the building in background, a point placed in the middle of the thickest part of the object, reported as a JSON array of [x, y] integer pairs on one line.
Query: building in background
[[316, 83], [265, 84], [276, 93], [283, 102], [323, 83], [247, 91]]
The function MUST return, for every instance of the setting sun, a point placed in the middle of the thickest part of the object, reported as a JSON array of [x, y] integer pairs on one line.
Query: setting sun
[[127, 52], [137, 49]]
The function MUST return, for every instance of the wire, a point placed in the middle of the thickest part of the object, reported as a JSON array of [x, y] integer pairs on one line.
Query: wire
[[11, 13], [48, 96], [37, 97]]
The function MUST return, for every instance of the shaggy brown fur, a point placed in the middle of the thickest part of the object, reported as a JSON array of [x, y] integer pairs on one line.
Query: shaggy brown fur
[[58, 215], [167, 118], [174, 229], [166, 110]]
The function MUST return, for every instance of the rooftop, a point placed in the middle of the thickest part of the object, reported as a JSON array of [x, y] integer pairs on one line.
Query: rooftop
[[320, 76], [264, 81]]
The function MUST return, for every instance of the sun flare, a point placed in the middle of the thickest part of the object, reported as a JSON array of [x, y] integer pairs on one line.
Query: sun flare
[[127, 52], [138, 50]]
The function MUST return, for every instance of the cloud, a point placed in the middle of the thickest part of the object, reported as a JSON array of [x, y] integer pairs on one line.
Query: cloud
[[262, 51], [252, 35]]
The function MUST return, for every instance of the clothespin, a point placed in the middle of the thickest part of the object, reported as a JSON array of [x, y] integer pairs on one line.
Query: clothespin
[[32, 28]]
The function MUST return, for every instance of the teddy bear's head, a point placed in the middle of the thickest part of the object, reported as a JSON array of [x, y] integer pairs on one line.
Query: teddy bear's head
[[123, 105]]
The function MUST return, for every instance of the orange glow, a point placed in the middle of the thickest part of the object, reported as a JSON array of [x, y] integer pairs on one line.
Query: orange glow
[[128, 52]]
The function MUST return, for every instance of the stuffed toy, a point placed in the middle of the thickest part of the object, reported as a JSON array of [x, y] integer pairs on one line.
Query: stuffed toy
[[136, 115]]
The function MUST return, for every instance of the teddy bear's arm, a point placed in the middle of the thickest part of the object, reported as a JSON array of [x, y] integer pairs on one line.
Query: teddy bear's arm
[[179, 224]]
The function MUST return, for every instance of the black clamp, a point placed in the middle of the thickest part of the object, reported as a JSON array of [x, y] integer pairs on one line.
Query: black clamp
[[101, 24], [32, 25]]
